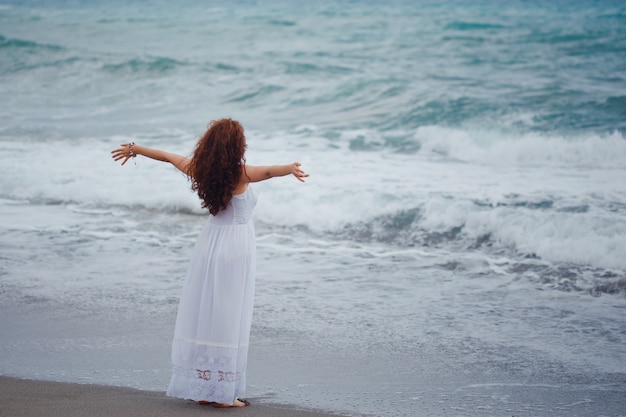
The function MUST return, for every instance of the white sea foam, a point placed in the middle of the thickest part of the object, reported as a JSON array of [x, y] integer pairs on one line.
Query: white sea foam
[[526, 193], [587, 150]]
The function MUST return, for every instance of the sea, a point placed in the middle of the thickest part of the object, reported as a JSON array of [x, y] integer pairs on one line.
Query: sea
[[459, 248]]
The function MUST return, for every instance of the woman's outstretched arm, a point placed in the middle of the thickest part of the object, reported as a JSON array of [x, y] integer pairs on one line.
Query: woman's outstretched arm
[[262, 173], [126, 151]]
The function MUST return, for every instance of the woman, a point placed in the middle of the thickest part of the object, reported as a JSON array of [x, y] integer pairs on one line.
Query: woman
[[210, 347]]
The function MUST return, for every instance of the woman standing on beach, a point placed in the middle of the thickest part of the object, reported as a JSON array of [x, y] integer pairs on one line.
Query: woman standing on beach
[[210, 347]]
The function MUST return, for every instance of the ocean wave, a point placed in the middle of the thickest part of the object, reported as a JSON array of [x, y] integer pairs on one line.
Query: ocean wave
[[543, 248], [451, 111], [497, 147], [69, 62], [552, 108], [615, 104], [468, 26], [106, 208], [284, 23], [150, 65], [220, 66], [559, 37], [22, 55], [576, 278], [618, 15], [13, 43], [62, 63], [532, 149], [297, 67], [254, 94], [415, 229]]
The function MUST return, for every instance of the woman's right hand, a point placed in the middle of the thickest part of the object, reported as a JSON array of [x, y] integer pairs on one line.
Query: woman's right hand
[[124, 152]]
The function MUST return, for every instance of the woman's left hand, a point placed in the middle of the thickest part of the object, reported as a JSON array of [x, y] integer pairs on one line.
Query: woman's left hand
[[297, 172]]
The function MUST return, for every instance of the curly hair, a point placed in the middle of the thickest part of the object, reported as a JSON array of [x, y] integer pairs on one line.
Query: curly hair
[[217, 162]]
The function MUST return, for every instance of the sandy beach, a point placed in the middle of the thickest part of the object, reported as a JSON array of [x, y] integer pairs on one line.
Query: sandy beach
[[28, 398]]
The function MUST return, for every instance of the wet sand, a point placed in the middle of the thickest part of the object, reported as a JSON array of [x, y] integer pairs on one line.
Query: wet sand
[[29, 398]]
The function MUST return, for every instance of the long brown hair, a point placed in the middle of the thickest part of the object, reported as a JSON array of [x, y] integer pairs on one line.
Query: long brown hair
[[217, 164]]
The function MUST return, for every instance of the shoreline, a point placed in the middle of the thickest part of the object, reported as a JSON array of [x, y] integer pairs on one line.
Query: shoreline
[[34, 398]]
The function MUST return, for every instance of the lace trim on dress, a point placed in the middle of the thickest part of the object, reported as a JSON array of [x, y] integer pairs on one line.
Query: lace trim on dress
[[205, 374], [214, 379]]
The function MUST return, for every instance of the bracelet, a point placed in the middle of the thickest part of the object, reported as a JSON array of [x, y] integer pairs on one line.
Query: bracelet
[[131, 152]]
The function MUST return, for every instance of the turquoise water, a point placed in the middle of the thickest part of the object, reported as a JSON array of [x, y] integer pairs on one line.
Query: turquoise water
[[524, 66], [466, 196]]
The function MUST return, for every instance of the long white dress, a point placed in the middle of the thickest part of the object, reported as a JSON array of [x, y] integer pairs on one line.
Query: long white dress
[[210, 347]]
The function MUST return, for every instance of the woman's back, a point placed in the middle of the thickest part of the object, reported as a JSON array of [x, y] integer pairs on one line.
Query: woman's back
[[239, 210]]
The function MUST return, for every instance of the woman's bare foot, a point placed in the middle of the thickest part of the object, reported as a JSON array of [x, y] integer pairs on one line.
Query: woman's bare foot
[[237, 403]]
